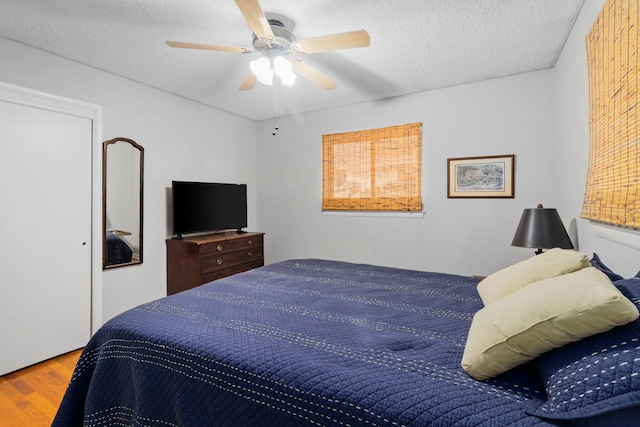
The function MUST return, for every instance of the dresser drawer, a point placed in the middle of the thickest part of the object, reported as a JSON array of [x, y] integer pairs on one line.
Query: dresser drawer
[[229, 270], [220, 261], [224, 246]]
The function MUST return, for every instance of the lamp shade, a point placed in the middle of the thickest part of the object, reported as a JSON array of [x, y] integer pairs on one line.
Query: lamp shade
[[541, 228]]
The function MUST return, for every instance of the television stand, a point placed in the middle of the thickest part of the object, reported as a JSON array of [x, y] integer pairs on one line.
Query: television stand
[[195, 260]]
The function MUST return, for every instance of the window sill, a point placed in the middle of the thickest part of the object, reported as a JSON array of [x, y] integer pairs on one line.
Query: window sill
[[630, 238], [376, 214]]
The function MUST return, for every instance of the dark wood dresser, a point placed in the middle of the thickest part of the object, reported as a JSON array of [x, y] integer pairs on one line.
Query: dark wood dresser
[[195, 260]]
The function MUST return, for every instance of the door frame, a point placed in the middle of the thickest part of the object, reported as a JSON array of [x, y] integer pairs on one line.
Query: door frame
[[33, 98]]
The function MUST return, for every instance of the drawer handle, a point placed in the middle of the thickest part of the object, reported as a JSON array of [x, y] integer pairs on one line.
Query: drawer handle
[[219, 261], [250, 253], [250, 242], [219, 248]]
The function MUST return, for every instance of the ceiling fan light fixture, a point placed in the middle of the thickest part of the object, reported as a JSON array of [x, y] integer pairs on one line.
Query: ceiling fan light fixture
[[264, 71], [288, 80], [261, 67], [284, 69]]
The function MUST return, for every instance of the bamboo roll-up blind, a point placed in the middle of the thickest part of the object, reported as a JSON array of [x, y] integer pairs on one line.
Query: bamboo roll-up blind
[[612, 195], [373, 170]]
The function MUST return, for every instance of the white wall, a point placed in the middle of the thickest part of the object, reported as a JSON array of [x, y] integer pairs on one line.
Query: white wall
[[542, 117], [571, 115], [183, 140], [467, 236]]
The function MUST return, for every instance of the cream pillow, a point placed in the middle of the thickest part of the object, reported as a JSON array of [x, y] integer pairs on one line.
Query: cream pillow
[[542, 316], [552, 263]]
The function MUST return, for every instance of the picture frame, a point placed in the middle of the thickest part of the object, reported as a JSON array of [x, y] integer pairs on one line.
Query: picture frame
[[481, 177]]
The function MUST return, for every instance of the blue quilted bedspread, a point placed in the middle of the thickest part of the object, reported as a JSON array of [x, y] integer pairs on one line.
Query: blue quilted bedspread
[[302, 342]]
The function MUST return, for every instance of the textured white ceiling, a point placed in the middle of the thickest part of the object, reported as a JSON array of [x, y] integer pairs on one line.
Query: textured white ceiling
[[416, 45]]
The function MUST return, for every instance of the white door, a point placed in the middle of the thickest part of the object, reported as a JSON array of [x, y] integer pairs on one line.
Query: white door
[[45, 234]]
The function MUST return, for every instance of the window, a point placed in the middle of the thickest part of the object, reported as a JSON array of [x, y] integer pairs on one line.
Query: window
[[613, 191], [373, 170]]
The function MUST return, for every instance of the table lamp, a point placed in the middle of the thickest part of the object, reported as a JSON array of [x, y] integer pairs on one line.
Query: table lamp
[[541, 228]]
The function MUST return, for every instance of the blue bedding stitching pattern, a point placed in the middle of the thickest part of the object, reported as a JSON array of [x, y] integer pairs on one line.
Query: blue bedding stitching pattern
[[303, 342]]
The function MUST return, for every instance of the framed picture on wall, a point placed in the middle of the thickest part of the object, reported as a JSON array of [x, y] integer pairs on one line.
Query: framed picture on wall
[[481, 177]]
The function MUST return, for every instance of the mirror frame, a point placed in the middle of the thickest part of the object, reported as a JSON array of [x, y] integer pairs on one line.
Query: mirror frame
[[135, 145]]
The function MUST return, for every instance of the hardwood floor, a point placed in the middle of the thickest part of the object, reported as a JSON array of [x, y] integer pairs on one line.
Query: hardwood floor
[[31, 396]]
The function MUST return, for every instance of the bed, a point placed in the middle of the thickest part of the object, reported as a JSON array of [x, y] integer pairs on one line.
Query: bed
[[318, 342]]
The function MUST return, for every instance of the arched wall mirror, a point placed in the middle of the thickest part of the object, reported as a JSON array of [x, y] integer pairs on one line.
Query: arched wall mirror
[[122, 202]]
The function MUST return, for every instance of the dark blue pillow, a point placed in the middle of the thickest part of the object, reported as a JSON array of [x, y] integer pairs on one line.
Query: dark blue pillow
[[595, 262], [595, 379]]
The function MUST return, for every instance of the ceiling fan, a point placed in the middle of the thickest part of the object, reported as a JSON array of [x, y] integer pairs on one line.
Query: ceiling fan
[[273, 39]]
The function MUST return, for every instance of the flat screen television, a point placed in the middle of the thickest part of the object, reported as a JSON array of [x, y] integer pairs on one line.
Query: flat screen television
[[208, 206]]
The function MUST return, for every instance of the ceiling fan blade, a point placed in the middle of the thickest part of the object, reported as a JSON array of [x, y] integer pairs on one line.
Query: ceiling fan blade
[[314, 75], [249, 82], [351, 39], [256, 19], [209, 47]]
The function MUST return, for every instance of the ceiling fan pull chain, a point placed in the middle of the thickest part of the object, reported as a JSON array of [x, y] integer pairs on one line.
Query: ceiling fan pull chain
[[275, 106]]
